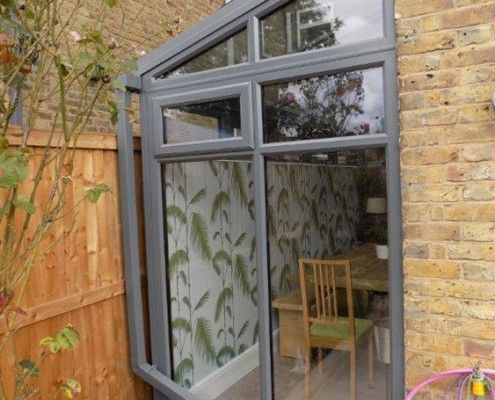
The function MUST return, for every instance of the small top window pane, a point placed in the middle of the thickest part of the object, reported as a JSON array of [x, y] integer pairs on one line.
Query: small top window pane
[[232, 51], [343, 104], [203, 121], [305, 25]]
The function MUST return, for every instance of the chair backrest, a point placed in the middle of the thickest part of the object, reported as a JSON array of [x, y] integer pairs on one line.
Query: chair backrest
[[319, 282]]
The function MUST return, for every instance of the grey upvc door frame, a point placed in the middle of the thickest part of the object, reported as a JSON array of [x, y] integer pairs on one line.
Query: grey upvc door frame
[[203, 86]]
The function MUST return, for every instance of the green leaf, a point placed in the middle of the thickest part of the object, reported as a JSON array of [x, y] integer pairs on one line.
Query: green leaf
[[220, 199], [95, 193], [24, 204], [256, 332], [221, 256], [68, 338], [242, 348], [176, 212], [238, 180], [181, 324], [203, 340], [180, 257], [13, 165], [225, 295], [113, 111], [199, 236], [111, 3], [186, 365], [70, 388], [28, 368], [243, 329], [225, 354], [198, 197], [118, 84], [186, 301], [241, 274], [51, 344], [240, 239], [202, 300]]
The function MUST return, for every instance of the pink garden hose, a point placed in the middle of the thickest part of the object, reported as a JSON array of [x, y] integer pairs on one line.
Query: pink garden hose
[[464, 375]]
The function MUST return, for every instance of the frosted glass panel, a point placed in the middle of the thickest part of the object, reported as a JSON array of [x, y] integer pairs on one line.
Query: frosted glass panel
[[212, 276]]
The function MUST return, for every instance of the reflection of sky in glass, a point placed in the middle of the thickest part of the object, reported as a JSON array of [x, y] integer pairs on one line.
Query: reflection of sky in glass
[[362, 20], [311, 24]]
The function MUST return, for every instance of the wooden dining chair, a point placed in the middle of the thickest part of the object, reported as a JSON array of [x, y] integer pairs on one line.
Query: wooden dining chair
[[324, 328]]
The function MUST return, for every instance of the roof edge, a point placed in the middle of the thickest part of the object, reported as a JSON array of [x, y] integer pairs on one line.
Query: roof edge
[[227, 14]]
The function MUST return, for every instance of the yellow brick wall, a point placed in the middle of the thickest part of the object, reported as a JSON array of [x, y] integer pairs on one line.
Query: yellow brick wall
[[146, 33], [447, 79]]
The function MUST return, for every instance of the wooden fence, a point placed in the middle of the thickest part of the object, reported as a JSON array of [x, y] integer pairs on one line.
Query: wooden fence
[[80, 282]]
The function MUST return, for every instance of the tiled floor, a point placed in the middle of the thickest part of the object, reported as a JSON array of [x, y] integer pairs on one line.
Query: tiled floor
[[332, 384]]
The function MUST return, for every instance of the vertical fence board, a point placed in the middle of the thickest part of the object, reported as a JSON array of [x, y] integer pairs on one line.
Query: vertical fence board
[[80, 281]]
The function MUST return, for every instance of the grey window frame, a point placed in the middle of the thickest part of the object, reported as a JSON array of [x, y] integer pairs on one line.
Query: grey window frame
[[255, 73], [241, 91]]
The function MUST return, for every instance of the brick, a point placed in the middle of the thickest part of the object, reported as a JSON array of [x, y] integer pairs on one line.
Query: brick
[[476, 152], [430, 155], [438, 116], [476, 113], [445, 269], [479, 191], [471, 251], [471, 172], [441, 193], [471, 290], [442, 231], [461, 17], [481, 212], [478, 231], [428, 80], [477, 35], [479, 349], [478, 271], [428, 43], [407, 8], [476, 54], [416, 250]]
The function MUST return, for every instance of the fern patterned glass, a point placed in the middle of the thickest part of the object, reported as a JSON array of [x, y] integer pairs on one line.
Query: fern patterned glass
[[211, 270], [305, 25], [317, 209], [231, 51], [343, 104], [204, 121]]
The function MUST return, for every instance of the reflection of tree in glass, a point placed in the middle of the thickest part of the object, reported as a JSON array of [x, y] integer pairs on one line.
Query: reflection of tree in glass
[[315, 108], [229, 52]]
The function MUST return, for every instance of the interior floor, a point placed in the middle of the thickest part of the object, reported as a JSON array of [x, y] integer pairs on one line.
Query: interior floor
[[332, 384]]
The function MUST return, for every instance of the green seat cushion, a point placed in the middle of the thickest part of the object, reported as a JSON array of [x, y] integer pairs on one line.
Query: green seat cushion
[[338, 330]]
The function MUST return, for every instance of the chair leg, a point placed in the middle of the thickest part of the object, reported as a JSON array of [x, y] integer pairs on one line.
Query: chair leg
[[307, 374], [371, 380], [320, 360], [353, 374]]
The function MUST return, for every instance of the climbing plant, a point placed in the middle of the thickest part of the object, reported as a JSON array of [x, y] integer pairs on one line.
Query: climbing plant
[[58, 66]]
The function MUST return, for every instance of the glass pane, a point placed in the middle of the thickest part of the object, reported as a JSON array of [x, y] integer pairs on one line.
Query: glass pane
[[232, 51], [344, 104], [314, 24], [331, 207], [205, 121], [212, 277]]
